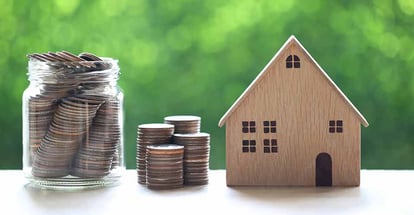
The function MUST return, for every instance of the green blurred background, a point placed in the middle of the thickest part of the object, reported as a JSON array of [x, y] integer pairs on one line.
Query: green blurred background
[[197, 57]]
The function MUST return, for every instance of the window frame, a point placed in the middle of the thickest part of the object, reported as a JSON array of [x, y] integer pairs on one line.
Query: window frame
[[270, 146], [336, 126], [249, 146], [269, 126], [292, 62], [248, 127]]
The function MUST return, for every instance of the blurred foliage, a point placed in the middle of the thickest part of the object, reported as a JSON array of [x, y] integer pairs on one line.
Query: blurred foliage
[[196, 57]]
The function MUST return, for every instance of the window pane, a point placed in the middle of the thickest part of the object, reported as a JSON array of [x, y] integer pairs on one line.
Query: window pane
[[252, 149], [245, 123], [297, 65], [331, 122], [266, 123], [245, 142], [289, 58], [339, 129], [274, 149], [252, 142], [245, 149], [266, 149], [252, 123], [274, 142], [273, 130], [273, 123], [338, 122], [245, 130], [296, 58], [288, 64], [252, 130], [266, 130], [266, 142], [332, 130]]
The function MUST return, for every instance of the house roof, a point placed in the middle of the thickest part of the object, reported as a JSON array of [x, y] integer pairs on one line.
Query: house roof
[[292, 39]]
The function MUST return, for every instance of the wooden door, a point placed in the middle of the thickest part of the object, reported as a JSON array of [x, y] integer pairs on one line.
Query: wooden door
[[323, 170]]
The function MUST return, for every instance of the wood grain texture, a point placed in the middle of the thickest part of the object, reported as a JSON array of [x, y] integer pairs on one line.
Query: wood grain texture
[[302, 101]]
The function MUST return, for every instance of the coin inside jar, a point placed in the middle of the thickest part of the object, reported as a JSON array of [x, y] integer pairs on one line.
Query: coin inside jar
[[74, 117]]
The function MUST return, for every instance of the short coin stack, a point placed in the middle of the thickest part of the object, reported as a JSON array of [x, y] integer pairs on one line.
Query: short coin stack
[[184, 124], [150, 134], [164, 166], [196, 157]]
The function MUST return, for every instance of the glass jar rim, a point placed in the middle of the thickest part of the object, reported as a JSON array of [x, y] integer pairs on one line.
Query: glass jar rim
[[55, 72]]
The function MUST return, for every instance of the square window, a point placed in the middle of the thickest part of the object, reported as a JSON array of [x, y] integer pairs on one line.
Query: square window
[[269, 126], [274, 142], [266, 149], [249, 146], [266, 142], [274, 149], [248, 126], [336, 126]]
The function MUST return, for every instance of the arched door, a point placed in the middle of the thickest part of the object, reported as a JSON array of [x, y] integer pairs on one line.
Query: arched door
[[323, 169]]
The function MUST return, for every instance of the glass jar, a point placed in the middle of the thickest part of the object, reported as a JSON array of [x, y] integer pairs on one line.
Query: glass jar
[[73, 124]]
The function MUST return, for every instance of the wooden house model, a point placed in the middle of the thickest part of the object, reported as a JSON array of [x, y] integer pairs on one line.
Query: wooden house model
[[293, 126]]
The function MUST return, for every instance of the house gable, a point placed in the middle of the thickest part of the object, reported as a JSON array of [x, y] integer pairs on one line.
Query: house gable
[[280, 57]]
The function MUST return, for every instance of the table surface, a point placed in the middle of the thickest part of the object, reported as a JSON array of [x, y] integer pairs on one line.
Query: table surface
[[381, 192]]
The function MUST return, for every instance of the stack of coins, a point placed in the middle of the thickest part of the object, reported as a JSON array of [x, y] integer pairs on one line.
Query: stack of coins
[[196, 157], [184, 124], [71, 120], [74, 122], [40, 115], [150, 134], [95, 156], [165, 166]]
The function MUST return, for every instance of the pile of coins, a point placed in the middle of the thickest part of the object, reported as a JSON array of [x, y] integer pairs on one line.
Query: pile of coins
[[196, 157], [74, 124], [165, 166], [184, 124], [150, 134], [152, 153], [96, 155]]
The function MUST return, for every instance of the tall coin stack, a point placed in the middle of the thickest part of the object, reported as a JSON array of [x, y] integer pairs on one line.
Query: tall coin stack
[[147, 135], [164, 166], [196, 157], [98, 153]]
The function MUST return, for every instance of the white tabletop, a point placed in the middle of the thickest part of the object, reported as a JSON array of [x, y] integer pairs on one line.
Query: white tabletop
[[381, 192]]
